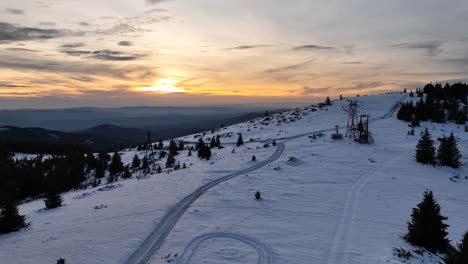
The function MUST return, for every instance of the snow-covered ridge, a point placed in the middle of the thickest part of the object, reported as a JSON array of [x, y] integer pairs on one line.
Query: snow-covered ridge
[[334, 202]]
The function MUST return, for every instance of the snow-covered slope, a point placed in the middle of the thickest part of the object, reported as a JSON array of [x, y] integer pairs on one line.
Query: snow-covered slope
[[324, 201]]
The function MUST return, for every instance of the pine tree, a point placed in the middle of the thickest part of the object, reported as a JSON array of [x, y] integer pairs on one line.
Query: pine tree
[[427, 228], [204, 152], [52, 199], [127, 174], [448, 154], [10, 219], [189, 153], [328, 101], [136, 162], [425, 151], [173, 148], [218, 141], [170, 160], [254, 158], [458, 255], [145, 163], [116, 165], [213, 142], [158, 169], [258, 195], [160, 144], [91, 162], [181, 145], [240, 140]]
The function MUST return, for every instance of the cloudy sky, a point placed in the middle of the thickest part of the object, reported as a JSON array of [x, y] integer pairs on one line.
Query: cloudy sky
[[67, 53]]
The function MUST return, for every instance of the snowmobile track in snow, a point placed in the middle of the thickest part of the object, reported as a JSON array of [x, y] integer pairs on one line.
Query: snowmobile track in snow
[[154, 241], [338, 244], [265, 254], [157, 237]]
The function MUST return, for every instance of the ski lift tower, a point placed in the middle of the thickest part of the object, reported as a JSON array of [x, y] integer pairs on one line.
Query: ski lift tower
[[351, 127]]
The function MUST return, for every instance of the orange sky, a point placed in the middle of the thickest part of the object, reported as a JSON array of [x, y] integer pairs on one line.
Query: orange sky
[[115, 52]]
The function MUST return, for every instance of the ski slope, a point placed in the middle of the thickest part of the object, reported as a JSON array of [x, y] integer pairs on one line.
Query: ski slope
[[334, 202]]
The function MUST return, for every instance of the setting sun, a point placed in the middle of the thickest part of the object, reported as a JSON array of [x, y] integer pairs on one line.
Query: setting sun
[[162, 86]]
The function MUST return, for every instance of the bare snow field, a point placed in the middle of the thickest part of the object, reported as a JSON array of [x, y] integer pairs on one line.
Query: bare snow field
[[323, 200]]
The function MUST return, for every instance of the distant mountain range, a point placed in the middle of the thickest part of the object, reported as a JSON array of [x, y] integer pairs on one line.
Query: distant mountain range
[[34, 139], [42, 131]]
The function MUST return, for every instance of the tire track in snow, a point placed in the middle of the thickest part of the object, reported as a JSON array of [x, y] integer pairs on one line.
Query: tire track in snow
[[154, 241], [265, 254], [338, 246]]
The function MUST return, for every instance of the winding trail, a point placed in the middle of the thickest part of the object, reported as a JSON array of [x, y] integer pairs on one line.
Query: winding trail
[[265, 254], [153, 242]]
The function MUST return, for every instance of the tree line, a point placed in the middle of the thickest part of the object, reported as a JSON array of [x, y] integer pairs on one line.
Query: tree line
[[440, 104]]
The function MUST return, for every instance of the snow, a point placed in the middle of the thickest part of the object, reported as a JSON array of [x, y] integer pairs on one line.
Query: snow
[[334, 202]]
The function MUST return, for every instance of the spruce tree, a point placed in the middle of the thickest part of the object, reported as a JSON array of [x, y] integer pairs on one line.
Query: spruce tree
[[204, 152], [116, 165], [458, 255], [173, 148], [427, 228], [240, 140], [181, 145], [91, 162], [145, 163], [136, 162], [448, 154], [10, 219], [170, 160], [328, 101], [425, 151], [213, 142], [52, 199], [127, 174], [160, 144], [218, 141]]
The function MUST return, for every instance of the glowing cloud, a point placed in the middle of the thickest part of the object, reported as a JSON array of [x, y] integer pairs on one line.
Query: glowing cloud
[[162, 86]]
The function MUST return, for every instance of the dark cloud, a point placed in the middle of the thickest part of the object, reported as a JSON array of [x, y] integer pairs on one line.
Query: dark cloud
[[125, 43], [352, 62], [22, 50], [65, 67], [14, 11], [10, 32], [462, 61], [289, 67], [306, 90], [432, 48], [73, 45], [84, 24], [11, 85], [107, 55], [47, 24], [136, 24], [363, 86], [248, 47], [313, 47]]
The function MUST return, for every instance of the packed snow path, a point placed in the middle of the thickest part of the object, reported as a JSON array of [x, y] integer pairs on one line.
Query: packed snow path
[[265, 254], [154, 241]]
